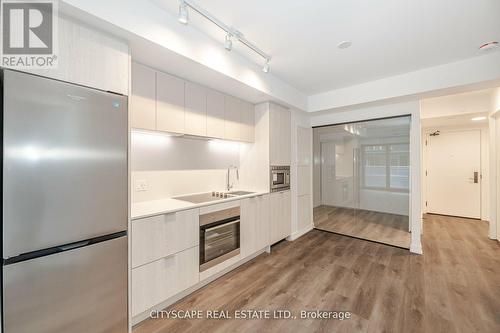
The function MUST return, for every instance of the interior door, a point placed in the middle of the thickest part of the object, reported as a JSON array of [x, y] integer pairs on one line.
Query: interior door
[[453, 173]]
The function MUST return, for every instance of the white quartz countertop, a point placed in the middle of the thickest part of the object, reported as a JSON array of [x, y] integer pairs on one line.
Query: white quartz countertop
[[144, 209]]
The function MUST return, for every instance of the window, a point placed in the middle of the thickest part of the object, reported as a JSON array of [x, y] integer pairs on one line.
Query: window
[[386, 167]]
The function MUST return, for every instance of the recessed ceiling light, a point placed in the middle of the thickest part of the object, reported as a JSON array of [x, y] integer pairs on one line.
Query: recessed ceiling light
[[344, 44], [478, 118], [489, 46]]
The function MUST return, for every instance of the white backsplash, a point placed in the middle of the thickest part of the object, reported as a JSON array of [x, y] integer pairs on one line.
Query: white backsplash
[[173, 166]]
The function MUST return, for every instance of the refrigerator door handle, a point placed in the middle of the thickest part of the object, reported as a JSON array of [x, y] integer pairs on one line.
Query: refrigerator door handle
[[74, 245]]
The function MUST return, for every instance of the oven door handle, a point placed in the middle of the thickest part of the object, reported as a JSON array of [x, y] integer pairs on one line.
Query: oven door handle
[[222, 225]]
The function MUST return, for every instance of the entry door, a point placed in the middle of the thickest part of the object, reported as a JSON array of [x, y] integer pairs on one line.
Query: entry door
[[453, 173]]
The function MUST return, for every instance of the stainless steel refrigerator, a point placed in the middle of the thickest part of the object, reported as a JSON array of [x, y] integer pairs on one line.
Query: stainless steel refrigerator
[[64, 207]]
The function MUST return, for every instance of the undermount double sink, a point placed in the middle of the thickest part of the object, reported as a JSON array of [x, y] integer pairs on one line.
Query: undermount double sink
[[211, 196]]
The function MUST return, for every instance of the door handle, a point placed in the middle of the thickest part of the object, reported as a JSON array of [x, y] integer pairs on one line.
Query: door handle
[[74, 245], [476, 177]]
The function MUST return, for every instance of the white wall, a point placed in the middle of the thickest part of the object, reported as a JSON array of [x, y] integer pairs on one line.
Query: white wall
[[174, 166], [452, 105], [390, 110]]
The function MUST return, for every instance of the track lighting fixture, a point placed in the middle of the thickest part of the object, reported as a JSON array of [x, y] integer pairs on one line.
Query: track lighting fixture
[[230, 31], [183, 12], [228, 44], [265, 69]]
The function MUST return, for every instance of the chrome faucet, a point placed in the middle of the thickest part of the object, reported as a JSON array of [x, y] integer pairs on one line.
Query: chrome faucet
[[228, 185]]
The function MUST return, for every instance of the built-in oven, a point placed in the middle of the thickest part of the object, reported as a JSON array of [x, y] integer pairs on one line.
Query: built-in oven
[[219, 237], [280, 178]]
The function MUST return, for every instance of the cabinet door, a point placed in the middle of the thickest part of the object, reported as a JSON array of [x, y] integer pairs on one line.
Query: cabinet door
[[262, 221], [196, 109], [215, 114], [248, 225], [275, 217], [169, 103], [232, 118], [155, 282], [279, 135], [280, 216], [143, 98], [285, 137], [274, 135], [286, 221], [160, 236], [247, 122], [89, 57]]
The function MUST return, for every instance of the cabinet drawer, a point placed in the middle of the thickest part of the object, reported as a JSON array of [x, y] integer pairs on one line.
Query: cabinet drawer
[[160, 236], [157, 281]]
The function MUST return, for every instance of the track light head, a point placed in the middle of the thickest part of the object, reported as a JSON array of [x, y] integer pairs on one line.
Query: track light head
[[266, 67], [183, 12], [228, 43]]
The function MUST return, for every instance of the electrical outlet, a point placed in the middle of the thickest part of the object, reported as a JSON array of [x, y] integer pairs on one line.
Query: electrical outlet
[[141, 185]]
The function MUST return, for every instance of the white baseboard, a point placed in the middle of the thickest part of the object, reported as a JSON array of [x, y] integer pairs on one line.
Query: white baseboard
[[300, 233]]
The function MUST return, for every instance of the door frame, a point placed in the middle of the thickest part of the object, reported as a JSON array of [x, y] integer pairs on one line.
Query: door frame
[[484, 164]]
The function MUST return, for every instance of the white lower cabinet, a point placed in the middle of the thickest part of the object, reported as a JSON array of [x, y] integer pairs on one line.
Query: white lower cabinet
[[254, 224], [165, 257], [280, 225], [160, 236], [155, 282]]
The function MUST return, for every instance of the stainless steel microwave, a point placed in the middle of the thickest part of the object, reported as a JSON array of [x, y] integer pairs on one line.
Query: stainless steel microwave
[[280, 178]]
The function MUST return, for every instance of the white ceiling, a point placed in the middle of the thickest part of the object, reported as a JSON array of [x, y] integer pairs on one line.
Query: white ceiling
[[389, 37]]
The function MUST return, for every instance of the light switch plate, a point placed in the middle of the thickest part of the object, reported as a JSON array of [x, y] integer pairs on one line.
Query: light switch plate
[[141, 185]]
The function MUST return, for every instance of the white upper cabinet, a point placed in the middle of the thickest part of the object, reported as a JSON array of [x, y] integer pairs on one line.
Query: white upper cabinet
[[232, 123], [143, 97], [196, 109], [215, 114], [164, 102], [239, 120], [279, 135], [90, 58], [170, 113], [286, 136], [274, 135], [247, 121]]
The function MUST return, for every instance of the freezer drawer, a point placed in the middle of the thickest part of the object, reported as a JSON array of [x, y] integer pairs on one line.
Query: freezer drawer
[[65, 163], [82, 290]]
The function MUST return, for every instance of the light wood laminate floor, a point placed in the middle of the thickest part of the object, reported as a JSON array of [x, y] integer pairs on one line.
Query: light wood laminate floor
[[453, 287], [380, 227]]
